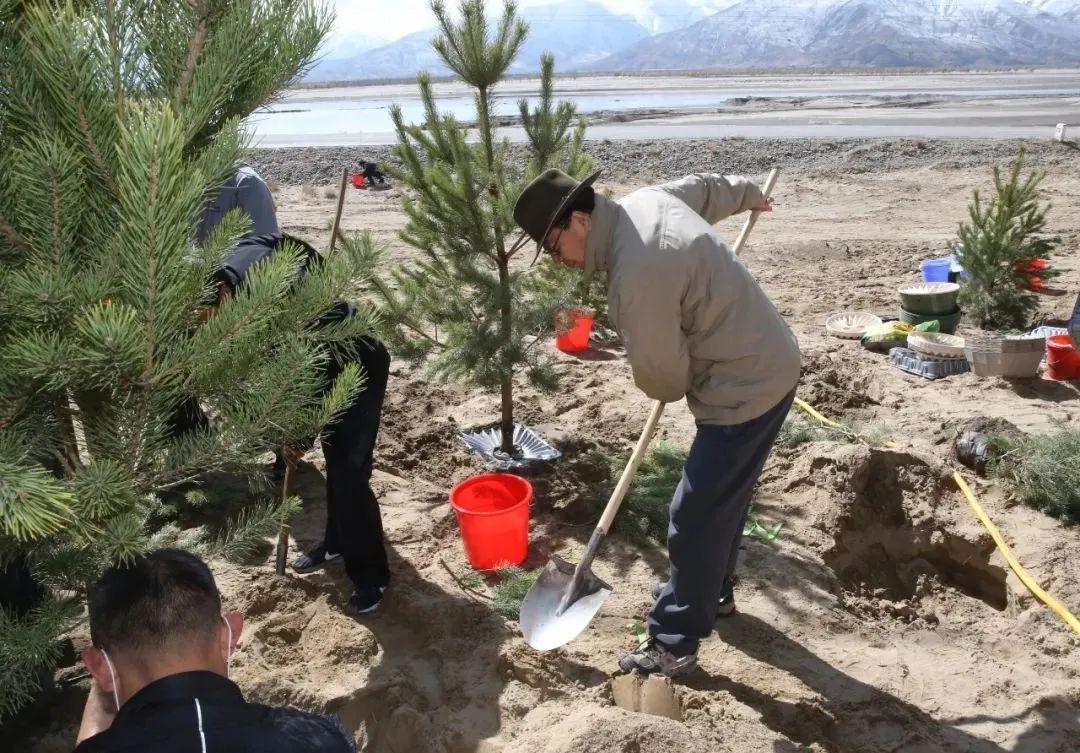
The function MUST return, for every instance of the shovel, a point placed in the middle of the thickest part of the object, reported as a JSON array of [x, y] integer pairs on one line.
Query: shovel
[[564, 599]]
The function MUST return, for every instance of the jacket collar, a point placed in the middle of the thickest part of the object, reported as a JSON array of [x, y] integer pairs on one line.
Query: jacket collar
[[598, 247], [208, 686]]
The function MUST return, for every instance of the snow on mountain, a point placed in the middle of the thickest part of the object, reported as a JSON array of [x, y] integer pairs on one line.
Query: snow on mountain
[[836, 33], [577, 33]]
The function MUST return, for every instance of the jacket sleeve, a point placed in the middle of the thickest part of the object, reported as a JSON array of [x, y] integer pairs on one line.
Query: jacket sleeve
[[649, 320], [253, 196], [714, 197]]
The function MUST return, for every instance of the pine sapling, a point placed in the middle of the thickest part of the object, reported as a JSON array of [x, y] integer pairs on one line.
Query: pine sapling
[[996, 241], [118, 123], [468, 303]]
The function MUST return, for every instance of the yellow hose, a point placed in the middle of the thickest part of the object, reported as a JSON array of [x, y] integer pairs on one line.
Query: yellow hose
[[1017, 568], [810, 409], [1044, 597]]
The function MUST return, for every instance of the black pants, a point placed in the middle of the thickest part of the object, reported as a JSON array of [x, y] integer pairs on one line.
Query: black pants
[[353, 519]]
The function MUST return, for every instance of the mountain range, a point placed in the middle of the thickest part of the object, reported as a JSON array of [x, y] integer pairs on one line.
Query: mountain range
[[855, 33], [642, 35]]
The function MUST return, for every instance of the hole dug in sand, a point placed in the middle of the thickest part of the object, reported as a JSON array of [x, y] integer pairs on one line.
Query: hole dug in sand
[[897, 532], [647, 695]]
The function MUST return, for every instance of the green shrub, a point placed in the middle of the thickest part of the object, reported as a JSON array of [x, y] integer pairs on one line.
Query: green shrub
[[645, 511], [1044, 471], [999, 234]]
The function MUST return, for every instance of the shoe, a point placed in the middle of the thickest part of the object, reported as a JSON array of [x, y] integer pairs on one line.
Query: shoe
[[365, 600], [725, 607], [652, 657], [316, 559]]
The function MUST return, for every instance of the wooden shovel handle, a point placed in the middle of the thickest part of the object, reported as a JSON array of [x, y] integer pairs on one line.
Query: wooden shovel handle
[[770, 182], [631, 468]]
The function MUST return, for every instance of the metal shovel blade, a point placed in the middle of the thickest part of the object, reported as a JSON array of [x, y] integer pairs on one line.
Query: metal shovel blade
[[542, 626]]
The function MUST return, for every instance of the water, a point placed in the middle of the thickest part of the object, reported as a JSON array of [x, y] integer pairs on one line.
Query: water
[[362, 116]]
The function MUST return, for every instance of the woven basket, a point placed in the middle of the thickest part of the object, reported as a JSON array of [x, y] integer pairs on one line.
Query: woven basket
[[1011, 357]]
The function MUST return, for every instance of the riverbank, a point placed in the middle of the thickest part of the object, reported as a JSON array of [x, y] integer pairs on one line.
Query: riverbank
[[654, 159]]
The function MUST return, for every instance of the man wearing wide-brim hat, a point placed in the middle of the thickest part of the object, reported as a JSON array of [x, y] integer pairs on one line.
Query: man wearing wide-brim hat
[[695, 324]]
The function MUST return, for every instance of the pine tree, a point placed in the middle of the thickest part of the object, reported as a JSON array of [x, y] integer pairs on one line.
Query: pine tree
[[466, 304], [118, 120], [993, 244]]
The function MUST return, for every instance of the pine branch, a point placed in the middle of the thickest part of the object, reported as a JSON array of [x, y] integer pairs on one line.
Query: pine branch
[[93, 149], [29, 648], [245, 535]]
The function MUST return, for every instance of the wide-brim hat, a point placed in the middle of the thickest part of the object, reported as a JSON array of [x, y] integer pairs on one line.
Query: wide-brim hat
[[544, 200]]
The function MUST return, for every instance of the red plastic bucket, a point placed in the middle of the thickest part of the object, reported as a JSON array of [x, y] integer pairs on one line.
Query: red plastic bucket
[[358, 180], [572, 330], [1030, 266], [1062, 358], [493, 512]]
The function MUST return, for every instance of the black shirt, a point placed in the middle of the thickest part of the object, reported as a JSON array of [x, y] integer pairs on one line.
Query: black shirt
[[202, 712]]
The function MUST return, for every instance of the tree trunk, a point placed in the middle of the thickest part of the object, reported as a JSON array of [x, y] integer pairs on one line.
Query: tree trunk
[[507, 423]]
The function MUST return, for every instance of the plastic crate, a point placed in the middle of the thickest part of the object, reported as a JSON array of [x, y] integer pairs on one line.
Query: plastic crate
[[927, 367]]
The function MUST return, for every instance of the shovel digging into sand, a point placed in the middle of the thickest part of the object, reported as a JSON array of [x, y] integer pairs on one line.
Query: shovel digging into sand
[[565, 598]]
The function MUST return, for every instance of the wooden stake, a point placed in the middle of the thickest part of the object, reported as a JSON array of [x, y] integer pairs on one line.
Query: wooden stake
[[340, 206]]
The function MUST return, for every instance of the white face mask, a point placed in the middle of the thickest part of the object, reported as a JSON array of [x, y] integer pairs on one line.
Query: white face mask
[[228, 647], [112, 672]]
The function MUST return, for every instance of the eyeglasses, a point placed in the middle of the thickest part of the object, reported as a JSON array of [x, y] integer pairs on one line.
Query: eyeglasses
[[551, 243]]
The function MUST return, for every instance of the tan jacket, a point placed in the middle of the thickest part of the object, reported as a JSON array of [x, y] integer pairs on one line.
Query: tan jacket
[[694, 321]]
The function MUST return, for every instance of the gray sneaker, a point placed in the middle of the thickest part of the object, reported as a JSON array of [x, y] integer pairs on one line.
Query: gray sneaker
[[725, 607], [652, 657]]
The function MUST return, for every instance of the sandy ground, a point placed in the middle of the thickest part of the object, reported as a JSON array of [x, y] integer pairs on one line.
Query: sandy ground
[[882, 619]]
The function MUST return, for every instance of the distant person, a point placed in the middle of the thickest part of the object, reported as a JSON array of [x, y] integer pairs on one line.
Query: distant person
[[696, 325], [245, 189], [160, 668], [372, 175]]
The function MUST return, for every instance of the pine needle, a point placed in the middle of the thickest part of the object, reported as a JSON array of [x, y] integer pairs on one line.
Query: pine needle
[[514, 584], [29, 649], [248, 532], [1045, 472]]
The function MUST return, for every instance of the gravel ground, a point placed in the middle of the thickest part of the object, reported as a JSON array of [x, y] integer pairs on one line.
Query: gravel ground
[[656, 159]]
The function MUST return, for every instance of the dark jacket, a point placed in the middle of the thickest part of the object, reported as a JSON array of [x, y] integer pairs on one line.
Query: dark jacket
[[258, 248], [252, 250], [245, 190], [202, 712]]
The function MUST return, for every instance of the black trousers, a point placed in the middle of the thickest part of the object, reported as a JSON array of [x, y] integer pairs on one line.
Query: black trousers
[[353, 519]]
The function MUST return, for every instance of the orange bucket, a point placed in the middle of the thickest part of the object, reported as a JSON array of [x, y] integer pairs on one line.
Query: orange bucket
[[493, 513], [572, 330], [1062, 358]]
